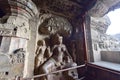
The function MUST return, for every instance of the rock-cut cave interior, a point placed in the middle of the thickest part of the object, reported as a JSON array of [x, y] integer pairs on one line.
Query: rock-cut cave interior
[[58, 40]]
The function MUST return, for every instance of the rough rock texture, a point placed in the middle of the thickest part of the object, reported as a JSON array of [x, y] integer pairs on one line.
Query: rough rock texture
[[65, 8], [51, 24]]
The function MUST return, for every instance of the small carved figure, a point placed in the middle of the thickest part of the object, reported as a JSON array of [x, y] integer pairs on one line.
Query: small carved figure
[[39, 58]]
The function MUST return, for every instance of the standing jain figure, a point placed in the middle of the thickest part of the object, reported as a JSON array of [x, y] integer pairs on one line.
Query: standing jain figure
[[42, 54]]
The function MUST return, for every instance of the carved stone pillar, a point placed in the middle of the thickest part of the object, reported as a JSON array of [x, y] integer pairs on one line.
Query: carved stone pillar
[[15, 32]]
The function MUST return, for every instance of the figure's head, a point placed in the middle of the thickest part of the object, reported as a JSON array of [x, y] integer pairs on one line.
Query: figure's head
[[41, 43], [59, 39]]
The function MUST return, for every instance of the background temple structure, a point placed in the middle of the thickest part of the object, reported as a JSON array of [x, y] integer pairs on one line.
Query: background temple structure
[[43, 36]]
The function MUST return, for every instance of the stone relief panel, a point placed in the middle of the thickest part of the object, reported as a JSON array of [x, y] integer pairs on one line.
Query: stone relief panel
[[52, 56], [12, 57], [15, 26], [51, 24], [12, 65]]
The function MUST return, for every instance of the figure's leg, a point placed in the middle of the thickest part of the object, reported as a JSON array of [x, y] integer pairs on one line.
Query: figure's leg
[[43, 71]]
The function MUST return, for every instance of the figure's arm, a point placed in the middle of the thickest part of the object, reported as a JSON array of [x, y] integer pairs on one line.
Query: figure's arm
[[66, 52], [38, 51]]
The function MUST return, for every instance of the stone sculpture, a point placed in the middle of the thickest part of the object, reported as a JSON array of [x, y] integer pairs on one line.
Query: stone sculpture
[[40, 53], [60, 59]]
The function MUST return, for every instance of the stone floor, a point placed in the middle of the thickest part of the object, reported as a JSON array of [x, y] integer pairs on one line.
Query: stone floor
[[108, 65]]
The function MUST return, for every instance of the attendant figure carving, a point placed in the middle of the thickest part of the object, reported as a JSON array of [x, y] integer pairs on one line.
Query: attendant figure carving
[[39, 59]]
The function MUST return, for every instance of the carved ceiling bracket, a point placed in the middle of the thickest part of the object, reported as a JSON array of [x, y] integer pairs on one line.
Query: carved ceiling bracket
[[52, 24]]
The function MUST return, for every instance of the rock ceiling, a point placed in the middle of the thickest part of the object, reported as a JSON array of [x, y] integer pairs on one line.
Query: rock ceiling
[[66, 8]]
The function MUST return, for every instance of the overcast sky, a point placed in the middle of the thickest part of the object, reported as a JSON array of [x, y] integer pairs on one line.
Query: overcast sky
[[114, 28]]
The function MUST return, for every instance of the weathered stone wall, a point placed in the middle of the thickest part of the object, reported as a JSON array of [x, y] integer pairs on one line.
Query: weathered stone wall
[[15, 31], [30, 55]]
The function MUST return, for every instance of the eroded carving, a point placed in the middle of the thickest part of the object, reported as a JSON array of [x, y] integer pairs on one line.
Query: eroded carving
[[17, 56], [6, 32]]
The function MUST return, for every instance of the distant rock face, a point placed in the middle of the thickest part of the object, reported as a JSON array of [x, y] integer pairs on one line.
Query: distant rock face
[[99, 27], [102, 7], [117, 36], [100, 40], [100, 24]]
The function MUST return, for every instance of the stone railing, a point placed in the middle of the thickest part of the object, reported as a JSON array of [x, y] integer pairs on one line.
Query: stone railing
[[111, 56]]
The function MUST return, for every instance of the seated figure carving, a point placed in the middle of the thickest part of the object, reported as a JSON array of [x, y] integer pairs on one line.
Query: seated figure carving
[[60, 59], [54, 62]]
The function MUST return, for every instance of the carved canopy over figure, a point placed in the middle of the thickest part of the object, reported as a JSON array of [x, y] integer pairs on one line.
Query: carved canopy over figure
[[52, 24]]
